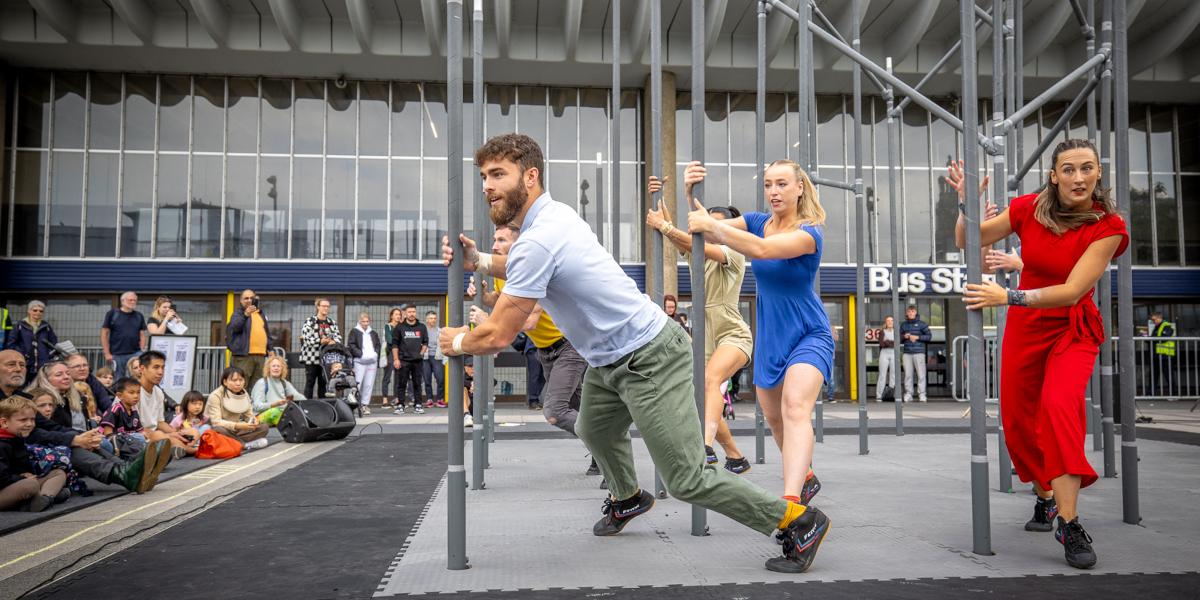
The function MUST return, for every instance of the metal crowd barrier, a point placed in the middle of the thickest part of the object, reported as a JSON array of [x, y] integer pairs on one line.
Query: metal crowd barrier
[[210, 361]]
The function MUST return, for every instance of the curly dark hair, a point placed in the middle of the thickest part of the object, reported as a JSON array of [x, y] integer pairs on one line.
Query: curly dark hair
[[519, 148]]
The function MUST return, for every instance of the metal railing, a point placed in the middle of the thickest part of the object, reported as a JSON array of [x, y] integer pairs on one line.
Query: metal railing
[[1165, 368], [210, 361]]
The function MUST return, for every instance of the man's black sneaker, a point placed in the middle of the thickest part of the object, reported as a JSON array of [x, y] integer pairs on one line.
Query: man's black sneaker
[[615, 518], [593, 469], [1044, 511], [737, 466], [812, 485], [801, 540], [1077, 544], [710, 456]]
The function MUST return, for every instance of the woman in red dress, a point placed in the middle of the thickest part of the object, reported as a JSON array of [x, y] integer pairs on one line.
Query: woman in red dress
[[1069, 234]]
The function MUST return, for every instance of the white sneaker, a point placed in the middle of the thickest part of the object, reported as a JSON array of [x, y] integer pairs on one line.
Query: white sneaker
[[468, 421], [922, 397], [256, 444], [907, 398]]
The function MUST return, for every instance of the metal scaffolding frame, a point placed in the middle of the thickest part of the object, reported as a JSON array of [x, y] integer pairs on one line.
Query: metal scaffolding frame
[[1105, 70]]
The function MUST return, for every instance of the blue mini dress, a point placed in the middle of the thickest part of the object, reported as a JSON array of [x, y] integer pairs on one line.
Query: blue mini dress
[[792, 326]]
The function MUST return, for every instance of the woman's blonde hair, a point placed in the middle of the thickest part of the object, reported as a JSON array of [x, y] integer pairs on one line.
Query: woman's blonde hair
[[41, 381], [283, 373], [159, 301], [1047, 208], [808, 208]]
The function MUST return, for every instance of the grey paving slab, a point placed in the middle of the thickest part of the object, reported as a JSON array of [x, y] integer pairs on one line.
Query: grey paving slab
[[902, 512]]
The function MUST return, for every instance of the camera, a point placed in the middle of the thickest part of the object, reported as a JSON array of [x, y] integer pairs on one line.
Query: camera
[[254, 302]]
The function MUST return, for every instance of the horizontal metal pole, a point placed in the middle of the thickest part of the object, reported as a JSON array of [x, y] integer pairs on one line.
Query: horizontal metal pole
[[1048, 137], [832, 183], [829, 25], [1056, 89]]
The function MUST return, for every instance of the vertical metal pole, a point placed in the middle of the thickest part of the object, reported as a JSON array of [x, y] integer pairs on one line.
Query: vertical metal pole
[[699, 515], [760, 160], [456, 476], [860, 222], [807, 160], [614, 134], [980, 509], [1097, 418], [1129, 451], [999, 197], [483, 375], [893, 141], [655, 260], [1107, 423]]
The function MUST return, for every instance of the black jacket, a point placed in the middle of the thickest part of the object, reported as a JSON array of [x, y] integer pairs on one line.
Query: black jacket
[[33, 344], [14, 460], [104, 398], [237, 333], [408, 339], [918, 328], [55, 431], [355, 343]]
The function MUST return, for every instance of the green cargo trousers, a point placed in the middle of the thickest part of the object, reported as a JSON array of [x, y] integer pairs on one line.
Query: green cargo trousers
[[652, 387]]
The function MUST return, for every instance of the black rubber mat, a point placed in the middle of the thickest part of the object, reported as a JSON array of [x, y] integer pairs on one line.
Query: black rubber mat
[[328, 528]]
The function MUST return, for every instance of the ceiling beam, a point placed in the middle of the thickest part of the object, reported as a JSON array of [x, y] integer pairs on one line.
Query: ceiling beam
[[287, 19], [825, 56], [901, 40], [138, 16], [61, 15], [503, 11], [572, 20], [1162, 42], [1044, 29], [779, 29], [214, 17], [361, 23], [435, 25], [714, 18], [639, 32]]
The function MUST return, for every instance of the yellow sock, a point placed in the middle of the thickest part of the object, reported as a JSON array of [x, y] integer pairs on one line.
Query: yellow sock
[[792, 513]]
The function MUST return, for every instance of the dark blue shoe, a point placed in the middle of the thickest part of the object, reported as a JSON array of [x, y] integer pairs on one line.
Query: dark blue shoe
[[801, 540], [616, 518]]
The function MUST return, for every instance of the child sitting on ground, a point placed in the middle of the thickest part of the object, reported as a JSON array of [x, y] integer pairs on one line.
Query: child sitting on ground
[[48, 458], [122, 421], [105, 375], [191, 421], [19, 487]]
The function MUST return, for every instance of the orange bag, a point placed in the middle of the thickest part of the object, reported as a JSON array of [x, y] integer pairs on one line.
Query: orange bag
[[215, 445]]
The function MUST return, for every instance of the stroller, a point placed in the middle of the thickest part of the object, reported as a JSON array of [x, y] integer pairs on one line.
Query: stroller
[[336, 364]]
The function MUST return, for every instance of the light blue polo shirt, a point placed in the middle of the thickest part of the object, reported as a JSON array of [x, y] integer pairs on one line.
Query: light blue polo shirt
[[558, 261]]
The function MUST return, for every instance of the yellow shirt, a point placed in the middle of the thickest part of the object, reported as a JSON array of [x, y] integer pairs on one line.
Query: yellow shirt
[[258, 336], [545, 333]]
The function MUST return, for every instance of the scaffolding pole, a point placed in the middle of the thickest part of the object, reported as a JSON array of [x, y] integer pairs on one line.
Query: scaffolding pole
[[893, 143], [1107, 422], [1095, 419], [699, 515], [614, 136], [760, 161], [479, 439], [656, 241], [806, 155], [860, 221], [456, 477], [999, 164]]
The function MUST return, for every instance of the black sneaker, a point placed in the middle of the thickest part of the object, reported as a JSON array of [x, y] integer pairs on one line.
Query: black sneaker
[[812, 485], [1044, 511], [593, 469], [1077, 544], [802, 539], [737, 466], [710, 456], [616, 518]]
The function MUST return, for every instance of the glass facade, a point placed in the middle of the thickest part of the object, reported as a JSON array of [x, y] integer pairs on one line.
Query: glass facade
[[107, 165]]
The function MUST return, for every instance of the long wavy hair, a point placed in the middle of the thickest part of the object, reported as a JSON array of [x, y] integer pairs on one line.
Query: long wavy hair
[[73, 397], [1048, 209], [808, 208]]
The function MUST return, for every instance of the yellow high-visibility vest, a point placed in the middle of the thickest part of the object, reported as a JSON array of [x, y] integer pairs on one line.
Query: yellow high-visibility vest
[[1164, 348]]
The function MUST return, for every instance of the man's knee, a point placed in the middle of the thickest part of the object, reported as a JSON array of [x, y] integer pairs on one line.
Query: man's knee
[[686, 486]]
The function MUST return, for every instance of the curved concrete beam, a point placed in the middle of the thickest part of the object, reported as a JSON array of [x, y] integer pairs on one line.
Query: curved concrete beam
[[639, 33], [572, 20], [435, 25], [1042, 30], [902, 40], [60, 14], [779, 30], [714, 18], [138, 16], [1160, 43], [825, 56], [287, 19], [503, 12], [361, 23], [215, 18]]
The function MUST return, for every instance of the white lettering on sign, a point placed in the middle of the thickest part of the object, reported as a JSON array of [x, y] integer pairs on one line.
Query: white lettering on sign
[[941, 280]]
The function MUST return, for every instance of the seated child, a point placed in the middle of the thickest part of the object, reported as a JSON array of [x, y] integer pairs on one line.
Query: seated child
[[48, 458], [19, 487], [191, 422], [105, 375], [122, 421]]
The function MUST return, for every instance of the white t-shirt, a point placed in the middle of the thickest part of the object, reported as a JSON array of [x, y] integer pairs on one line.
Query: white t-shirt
[[369, 353], [151, 406], [558, 261]]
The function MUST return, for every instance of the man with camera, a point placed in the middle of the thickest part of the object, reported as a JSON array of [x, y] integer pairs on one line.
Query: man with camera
[[247, 338]]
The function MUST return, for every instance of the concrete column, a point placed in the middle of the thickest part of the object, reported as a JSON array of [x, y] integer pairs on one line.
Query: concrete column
[[6, 79], [670, 197]]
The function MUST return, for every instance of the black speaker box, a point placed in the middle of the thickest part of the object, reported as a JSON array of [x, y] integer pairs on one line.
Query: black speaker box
[[316, 421]]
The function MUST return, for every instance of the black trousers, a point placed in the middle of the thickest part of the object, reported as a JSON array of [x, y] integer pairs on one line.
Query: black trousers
[[314, 376], [410, 370]]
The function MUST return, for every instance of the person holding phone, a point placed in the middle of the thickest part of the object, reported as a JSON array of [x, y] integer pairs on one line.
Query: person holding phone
[[247, 337]]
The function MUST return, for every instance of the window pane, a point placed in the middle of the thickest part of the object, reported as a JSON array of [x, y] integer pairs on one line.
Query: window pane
[[1137, 138], [914, 129], [742, 128], [140, 92], [172, 206], [174, 113], [33, 126], [339, 208], [830, 132], [206, 206], [243, 114], [562, 184], [945, 140], [276, 116], [1166, 215], [240, 190], [209, 133], [1140, 229], [745, 184], [69, 105], [631, 216], [531, 113], [435, 119], [1191, 216], [916, 219], [273, 203], [136, 204], [310, 116], [565, 118], [593, 124], [372, 119], [716, 128], [1162, 151], [101, 206], [501, 110], [434, 217], [407, 120], [30, 209], [631, 126], [65, 206], [372, 208], [306, 208], [406, 209], [1189, 138], [340, 129], [105, 120]]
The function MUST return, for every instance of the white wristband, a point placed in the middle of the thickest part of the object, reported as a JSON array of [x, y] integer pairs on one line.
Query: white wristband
[[484, 263], [456, 346]]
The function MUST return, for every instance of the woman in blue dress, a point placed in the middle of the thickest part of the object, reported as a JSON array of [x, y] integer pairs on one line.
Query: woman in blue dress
[[793, 348]]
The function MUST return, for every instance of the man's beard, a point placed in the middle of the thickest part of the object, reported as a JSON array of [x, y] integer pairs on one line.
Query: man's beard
[[507, 209]]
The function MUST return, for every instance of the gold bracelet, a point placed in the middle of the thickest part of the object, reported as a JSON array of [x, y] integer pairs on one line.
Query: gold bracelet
[[666, 228]]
